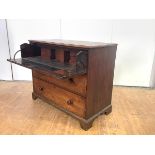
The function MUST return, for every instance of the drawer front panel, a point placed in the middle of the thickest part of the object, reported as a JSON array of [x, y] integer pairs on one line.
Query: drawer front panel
[[75, 85], [69, 101]]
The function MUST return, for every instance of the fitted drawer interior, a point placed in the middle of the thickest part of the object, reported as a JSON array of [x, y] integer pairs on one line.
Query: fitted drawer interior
[[76, 85], [61, 61], [62, 98]]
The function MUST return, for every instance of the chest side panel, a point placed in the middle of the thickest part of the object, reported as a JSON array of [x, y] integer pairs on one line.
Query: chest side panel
[[101, 63]]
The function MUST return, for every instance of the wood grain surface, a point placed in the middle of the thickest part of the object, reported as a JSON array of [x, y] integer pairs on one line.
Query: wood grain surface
[[76, 85], [65, 99], [133, 113], [71, 43], [99, 87], [46, 53]]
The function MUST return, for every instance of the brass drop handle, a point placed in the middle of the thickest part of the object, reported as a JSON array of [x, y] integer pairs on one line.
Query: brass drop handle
[[41, 88], [70, 102]]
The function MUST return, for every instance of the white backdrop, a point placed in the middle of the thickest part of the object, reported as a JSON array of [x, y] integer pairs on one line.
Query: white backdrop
[[135, 38], [20, 31], [5, 67], [136, 45]]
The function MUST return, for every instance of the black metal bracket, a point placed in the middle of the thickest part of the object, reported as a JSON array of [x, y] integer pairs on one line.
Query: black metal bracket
[[14, 57]]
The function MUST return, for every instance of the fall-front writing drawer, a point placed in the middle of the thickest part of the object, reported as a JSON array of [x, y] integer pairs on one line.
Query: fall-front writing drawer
[[67, 100], [75, 85]]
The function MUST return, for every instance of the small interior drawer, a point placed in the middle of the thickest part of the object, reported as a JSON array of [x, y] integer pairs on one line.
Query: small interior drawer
[[67, 100], [76, 85]]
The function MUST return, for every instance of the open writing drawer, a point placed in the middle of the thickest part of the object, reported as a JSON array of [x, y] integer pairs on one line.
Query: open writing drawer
[[58, 70], [61, 62]]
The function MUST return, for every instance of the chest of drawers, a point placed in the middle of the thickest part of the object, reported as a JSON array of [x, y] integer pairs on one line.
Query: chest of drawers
[[75, 77]]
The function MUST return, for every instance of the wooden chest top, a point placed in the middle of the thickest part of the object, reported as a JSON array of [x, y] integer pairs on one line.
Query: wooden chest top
[[72, 43]]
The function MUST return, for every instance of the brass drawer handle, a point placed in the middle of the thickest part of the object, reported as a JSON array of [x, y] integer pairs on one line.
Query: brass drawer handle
[[41, 88], [70, 102]]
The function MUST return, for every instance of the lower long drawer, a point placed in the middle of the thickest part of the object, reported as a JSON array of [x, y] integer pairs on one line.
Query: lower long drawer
[[67, 100]]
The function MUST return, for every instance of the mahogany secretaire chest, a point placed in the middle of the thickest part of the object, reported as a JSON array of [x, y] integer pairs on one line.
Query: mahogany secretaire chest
[[74, 76]]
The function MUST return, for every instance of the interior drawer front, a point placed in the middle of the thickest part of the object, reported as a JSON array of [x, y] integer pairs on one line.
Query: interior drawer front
[[75, 85], [69, 101]]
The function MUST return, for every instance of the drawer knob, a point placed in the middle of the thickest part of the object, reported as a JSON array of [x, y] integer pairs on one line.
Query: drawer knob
[[70, 102], [71, 80], [41, 88]]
